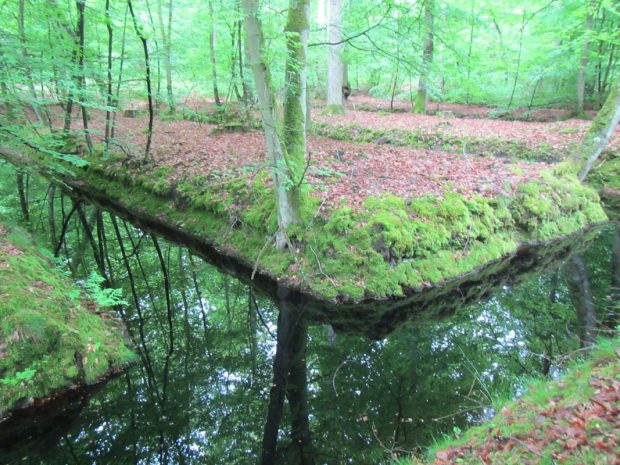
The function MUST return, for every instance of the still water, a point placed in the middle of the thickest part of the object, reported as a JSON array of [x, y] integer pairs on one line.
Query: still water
[[200, 392]]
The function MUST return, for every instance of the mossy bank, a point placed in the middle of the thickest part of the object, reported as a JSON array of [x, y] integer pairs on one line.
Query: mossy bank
[[572, 420], [52, 338], [387, 249]]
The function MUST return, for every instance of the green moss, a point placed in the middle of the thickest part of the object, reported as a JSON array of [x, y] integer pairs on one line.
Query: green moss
[[46, 327], [387, 248]]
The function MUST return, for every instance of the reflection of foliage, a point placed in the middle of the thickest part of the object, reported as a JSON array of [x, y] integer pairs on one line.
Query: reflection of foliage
[[207, 401]]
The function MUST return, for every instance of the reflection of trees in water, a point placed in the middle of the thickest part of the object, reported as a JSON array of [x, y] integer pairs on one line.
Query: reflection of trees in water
[[209, 389]]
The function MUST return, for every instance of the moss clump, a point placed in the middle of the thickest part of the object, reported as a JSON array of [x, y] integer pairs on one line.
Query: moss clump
[[50, 337]]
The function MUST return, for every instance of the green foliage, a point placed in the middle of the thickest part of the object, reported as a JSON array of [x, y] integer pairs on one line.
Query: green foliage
[[103, 297]]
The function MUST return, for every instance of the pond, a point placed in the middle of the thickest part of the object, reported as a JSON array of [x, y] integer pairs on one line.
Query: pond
[[214, 353]]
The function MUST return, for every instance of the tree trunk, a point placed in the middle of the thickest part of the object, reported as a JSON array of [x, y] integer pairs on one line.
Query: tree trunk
[[212, 39], [81, 5], [595, 140], [142, 37], [286, 184], [108, 113], [583, 65], [427, 58], [166, 40], [23, 198], [334, 61], [581, 296], [295, 98]]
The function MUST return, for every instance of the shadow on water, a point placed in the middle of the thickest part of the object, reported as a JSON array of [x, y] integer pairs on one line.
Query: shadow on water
[[220, 359]]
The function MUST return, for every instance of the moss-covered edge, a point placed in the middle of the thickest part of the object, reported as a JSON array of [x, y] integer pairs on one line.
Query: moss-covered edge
[[390, 248], [51, 337], [438, 140], [516, 418]]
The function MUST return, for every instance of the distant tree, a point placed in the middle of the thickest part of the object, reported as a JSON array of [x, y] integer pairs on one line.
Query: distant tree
[[427, 57], [335, 70]]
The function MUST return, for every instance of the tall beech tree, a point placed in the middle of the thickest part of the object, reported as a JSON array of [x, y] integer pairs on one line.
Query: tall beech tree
[[286, 138], [427, 56], [335, 69]]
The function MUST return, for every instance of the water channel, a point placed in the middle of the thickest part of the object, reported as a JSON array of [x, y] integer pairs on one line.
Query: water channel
[[358, 393]]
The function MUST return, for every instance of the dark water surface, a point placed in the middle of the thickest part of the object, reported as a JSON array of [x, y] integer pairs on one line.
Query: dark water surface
[[200, 391]]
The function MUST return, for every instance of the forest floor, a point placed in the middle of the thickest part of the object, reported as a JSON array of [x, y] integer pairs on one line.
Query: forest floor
[[366, 153], [573, 420]]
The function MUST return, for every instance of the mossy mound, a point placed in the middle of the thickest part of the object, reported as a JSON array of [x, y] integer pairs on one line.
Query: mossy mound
[[51, 337], [389, 248]]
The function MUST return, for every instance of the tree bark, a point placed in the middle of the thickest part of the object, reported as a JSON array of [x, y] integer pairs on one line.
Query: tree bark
[[81, 5], [286, 185], [142, 37], [334, 60], [212, 40], [583, 65], [108, 113], [596, 138], [427, 58], [166, 33]]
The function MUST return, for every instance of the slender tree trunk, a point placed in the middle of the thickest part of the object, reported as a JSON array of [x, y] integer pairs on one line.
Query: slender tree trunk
[[295, 97], [81, 5], [120, 74], [427, 57], [596, 138], [583, 64], [334, 60], [108, 113], [166, 33], [23, 198], [247, 92], [286, 184], [142, 37], [471, 44], [514, 83], [212, 40], [51, 217], [24, 51]]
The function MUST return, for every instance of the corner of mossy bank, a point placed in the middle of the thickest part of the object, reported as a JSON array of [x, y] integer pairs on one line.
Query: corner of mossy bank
[[52, 342], [386, 250]]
